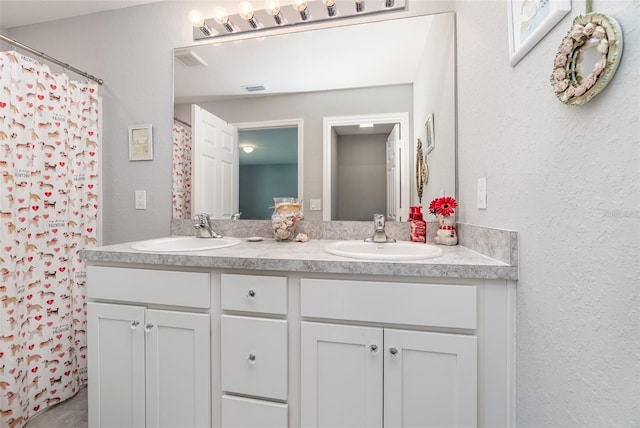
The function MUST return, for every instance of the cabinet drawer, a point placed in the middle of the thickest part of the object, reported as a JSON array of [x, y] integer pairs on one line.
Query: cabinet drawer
[[434, 305], [162, 287], [240, 412], [253, 293], [254, 356]]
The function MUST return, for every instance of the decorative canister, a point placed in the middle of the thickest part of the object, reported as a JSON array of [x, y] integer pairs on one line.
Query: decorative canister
[[286, 213]]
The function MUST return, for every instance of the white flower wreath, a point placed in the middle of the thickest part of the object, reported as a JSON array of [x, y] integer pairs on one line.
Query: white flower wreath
[[570, 86]]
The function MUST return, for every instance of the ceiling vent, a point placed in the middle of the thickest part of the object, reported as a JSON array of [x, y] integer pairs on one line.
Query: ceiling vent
[[254, 88], [189, 58]]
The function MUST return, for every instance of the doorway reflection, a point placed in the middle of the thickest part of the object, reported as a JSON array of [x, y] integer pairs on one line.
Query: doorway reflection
[[268, 168]]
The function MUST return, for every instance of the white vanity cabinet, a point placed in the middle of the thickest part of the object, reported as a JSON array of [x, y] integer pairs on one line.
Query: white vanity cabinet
[[148, 367], [254, 351], [370, 376]]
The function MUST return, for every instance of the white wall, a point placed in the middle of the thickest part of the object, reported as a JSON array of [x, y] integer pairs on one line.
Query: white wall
[[567, 179]]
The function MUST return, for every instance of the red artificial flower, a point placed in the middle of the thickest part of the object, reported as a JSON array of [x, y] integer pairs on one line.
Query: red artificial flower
[[444, 206]]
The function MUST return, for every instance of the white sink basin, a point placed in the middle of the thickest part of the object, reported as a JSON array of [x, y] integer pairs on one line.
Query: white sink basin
[[401, 250], [183, 243]]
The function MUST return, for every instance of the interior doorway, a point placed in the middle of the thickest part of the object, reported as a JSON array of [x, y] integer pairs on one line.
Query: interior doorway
[[366, 167], [270, 165]]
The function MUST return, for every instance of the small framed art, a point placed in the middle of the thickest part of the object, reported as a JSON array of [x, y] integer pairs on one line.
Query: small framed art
[[430, 142], [530, 21], [140, 143]]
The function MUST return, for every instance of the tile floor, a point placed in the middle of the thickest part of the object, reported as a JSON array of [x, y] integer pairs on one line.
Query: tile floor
[[72, 413]]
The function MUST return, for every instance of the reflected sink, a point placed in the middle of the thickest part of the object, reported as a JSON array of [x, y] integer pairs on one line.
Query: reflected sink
[[401, 250], [183, 243]]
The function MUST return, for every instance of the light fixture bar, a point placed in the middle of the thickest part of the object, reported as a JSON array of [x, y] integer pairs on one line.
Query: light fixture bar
[[298, 12]]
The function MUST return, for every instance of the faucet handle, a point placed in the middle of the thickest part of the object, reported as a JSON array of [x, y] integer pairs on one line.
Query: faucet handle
[[378, 221]]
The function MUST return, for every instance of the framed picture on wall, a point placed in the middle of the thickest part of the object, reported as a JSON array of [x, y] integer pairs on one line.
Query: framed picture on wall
[[530, 21], [430, 142], [140, 143]]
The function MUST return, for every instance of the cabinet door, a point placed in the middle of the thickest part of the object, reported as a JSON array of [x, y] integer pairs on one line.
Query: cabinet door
[[341, 376], [116, 365], [178, 375], [430, 379]]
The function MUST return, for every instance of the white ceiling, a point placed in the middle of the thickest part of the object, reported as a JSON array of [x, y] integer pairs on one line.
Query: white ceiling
[[16, 13]]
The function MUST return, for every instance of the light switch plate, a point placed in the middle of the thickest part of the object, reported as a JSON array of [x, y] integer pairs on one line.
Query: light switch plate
[[482, 193], [315, 204], [141, 200]]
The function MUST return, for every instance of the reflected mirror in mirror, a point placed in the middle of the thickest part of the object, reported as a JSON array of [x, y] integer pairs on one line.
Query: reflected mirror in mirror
[[402, 65]]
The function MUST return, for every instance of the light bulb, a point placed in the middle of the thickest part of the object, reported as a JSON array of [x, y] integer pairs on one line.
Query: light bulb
[[220, 15], [301, 7], [272, 7], [331, 7], [245, 10], [247, 149], [196, 18]]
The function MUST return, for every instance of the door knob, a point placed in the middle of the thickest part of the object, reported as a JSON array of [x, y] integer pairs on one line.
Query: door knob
[[393, 352]]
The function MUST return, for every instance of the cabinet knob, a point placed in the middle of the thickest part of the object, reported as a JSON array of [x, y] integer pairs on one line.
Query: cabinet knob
[[393, 352], [373, 348], [252, 358], [134, 324], [251, 294], [148, 327]]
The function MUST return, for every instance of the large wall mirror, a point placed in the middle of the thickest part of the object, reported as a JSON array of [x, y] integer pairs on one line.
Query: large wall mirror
[[277, 94]]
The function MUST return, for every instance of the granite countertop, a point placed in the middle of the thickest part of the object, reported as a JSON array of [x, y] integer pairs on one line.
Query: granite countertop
[[309, 257]]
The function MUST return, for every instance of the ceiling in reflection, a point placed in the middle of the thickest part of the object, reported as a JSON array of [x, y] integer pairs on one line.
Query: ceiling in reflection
[[308, 61]]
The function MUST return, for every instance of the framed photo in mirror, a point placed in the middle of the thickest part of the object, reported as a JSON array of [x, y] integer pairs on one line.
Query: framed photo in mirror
[[530, 21], [430, 142], [140, 143]]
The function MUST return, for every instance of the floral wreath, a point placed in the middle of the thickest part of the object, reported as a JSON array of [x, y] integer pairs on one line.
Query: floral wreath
[[444, 206], [572, 88]]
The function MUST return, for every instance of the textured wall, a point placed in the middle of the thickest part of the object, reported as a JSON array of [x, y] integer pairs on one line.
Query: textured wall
[[567, 179]]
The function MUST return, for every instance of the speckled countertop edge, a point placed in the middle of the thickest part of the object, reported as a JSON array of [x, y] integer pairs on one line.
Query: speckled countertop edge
[[309, 257]]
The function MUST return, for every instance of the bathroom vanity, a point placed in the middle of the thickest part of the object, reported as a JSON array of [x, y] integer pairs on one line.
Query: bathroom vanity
[[277, 334]]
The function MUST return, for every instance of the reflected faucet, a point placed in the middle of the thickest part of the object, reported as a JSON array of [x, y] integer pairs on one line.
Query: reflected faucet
[[236, 216], [379, 234], [202, 223]]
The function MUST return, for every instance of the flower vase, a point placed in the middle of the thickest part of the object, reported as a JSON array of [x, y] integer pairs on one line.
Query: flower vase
[[446, 234]]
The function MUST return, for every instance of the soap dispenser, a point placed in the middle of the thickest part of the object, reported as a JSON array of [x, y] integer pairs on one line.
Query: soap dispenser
[[418, 227]]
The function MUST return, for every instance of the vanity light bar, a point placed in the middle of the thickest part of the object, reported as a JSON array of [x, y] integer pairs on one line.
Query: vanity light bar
[[298, 13]]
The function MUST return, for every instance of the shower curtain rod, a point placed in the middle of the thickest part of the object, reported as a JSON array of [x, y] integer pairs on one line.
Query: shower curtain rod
[[48, 58], [182, 122]]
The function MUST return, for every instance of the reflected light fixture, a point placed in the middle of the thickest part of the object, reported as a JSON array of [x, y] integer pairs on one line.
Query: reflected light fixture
[[222, 17], [359, 6], [331, 7], [245, 10], [247, 149], [273, 8], [197, 20], [301, 7]]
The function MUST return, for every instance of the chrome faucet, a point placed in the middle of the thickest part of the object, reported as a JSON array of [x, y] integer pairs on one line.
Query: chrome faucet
[[379, 234], [202, 223]]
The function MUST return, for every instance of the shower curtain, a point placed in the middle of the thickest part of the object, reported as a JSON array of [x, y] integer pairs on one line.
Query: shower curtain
[[49, 145], [181, 171]]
